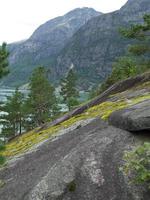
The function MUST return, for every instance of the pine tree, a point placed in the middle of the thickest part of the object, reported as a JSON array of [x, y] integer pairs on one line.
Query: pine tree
[[12, 119], [68, 89], [3, 60], [2, 148], [3, 71], [123, 68], [137, 59], [140, 51], [42, 102]]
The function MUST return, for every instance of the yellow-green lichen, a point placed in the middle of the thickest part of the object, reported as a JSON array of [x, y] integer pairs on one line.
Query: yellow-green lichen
[[145, 85], [2, 183], [26, 141]]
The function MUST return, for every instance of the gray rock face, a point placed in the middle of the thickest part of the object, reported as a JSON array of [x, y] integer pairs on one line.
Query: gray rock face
[[98, 43], [90, 171], [81, 165], [44, 44], [135, 118]]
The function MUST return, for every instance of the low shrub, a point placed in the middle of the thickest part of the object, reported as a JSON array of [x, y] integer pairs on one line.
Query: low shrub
[[2, 160], [138, 164]]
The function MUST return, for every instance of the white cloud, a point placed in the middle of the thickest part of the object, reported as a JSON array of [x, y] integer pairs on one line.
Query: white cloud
[[19, 18]]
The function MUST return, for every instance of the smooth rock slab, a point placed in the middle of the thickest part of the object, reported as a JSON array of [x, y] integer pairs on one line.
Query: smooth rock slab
[[92, 168], [81, 165], [135, 118]]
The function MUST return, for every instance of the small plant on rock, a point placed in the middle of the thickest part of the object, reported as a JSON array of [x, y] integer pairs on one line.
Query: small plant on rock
[[71, 186], [2, 158], [138, 164]]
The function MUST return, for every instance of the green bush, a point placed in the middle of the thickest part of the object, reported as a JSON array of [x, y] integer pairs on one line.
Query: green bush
[[2, 158], [71, 186], [138, 164], [123, 68], [2, 146], [136, 60]]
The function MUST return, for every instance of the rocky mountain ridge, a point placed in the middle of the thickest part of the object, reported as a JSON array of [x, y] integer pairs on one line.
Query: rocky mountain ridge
[[44, 44], [92, 47], [97, 44]]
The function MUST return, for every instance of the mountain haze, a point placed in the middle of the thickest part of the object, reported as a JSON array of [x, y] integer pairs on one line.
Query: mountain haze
[[44, 44]]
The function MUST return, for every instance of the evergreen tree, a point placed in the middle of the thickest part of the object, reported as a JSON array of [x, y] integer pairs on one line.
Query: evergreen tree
[[3, 60], [12, 119], [137, 59], [42, 102], [123, 68], [68, 89], [140, 51], [3, 71], [2, 147]]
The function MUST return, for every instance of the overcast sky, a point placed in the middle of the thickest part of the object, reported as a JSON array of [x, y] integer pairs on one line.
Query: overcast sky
[[19, 18]]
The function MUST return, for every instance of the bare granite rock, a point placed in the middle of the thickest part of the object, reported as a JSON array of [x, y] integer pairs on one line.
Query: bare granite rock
[[80, 164], [90, 171], [135, 118]]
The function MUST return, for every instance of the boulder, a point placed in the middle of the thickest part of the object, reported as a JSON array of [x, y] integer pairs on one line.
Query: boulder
[[134, 118], [118, 87]]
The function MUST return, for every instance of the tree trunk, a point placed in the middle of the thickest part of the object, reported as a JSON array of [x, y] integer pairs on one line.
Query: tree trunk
[[20, 126]]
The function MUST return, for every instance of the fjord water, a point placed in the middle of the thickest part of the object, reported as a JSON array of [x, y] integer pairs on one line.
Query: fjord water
[[6, 92]]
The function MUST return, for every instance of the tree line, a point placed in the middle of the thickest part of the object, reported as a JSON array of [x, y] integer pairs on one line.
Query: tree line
[[22, 113], [3, 72]]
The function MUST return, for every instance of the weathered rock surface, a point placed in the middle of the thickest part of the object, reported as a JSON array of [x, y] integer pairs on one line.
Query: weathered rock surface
[[135, 118], [93, 168], [83, 165]]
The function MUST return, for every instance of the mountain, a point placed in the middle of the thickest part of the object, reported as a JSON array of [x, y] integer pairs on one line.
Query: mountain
[[96, 45], [83, 37], [82, 158], [44, 44]]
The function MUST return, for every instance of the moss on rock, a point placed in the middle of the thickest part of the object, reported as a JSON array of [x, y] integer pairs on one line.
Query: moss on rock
[[26, 141], [2, 183]]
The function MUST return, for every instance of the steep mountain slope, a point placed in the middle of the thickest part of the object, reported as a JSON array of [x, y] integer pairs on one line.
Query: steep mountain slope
[[44, 44], [96, 45], [80, 158]]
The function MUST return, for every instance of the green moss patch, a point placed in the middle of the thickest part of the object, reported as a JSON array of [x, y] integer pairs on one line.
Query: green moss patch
[[26, 141], [2, 183]]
